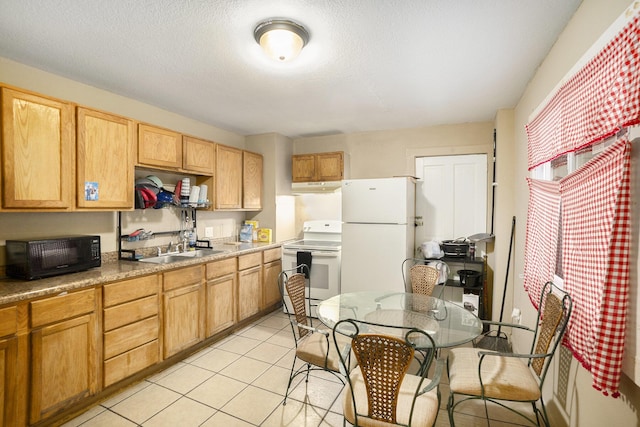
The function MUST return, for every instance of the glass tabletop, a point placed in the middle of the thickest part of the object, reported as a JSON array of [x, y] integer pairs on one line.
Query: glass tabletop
[[448, 324]]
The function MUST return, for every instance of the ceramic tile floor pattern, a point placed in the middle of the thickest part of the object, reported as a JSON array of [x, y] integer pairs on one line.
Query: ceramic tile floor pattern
[[241, 381]]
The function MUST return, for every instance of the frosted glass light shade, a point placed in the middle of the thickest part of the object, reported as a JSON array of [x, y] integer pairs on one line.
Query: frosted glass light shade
[[280, 39]]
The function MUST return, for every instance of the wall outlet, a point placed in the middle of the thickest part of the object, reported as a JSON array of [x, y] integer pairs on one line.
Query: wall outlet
[[208, 232], [516, 316]]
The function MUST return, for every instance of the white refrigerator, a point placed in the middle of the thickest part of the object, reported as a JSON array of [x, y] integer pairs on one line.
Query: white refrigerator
[[378, 230]]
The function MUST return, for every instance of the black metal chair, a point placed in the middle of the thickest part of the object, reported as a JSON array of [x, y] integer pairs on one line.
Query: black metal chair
[[379, 390], [499, 377], [313, 345], [420, 277]]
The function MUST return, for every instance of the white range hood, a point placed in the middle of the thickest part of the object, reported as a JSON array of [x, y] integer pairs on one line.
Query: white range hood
[[315, 187]]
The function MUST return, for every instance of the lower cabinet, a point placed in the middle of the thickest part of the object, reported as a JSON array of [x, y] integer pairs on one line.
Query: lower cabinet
[[64, 352], [272, 266], [184, 309], [221, 295], [11, 392], [131, 327], [249, 284], [57, 351]]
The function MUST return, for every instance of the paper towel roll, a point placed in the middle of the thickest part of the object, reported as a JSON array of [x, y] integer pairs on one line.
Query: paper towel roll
[[193, 196]]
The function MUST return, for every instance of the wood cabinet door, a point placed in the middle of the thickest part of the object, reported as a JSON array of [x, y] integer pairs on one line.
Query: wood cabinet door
[[8, 374], [38, 152], [249, 292], [228, 177], [183, 318], [270, 291], [197, 155], [330, 166], [221, 303], [303, 168], [159, 147], [252, 181], [106, 159], [64, 365]]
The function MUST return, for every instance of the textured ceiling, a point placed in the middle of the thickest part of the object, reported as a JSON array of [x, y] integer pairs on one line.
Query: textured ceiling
[[369, 64]]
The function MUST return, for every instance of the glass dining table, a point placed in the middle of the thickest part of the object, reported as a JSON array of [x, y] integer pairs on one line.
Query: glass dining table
[[448, 323]]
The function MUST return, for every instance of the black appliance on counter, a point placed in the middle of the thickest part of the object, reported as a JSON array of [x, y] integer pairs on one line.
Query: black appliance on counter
[[35, 259]]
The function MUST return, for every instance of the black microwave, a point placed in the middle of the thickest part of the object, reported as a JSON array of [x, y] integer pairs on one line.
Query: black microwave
[[35, 259]]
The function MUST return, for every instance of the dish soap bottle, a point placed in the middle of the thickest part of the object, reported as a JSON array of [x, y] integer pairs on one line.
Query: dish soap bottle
[[192, 238]]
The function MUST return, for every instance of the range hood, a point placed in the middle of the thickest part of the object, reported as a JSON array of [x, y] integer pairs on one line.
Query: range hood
[[315, 187]]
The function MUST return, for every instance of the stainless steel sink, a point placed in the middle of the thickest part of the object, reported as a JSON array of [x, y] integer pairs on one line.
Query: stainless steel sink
[[180, 256], [199, 253]]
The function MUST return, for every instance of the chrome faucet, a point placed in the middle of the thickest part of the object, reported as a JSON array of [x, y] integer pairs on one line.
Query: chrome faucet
[[167, 250]]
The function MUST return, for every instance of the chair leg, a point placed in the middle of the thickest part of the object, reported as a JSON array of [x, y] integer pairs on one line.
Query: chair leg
[[292, 375], [541, 414], [450, 410]]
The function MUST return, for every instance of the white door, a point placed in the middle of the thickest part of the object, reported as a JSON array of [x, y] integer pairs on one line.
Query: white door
[[451, 197]]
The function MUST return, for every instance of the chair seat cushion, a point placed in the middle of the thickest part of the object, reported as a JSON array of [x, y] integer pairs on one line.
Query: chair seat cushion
[[503, 377], [424, 412], [313, 348]]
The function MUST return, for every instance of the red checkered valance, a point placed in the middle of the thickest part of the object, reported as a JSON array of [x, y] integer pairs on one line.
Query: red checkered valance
[[541, 240], [603, 97], [595, 256]]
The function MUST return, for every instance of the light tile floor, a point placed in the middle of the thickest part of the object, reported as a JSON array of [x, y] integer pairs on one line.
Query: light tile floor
[[241, 381]]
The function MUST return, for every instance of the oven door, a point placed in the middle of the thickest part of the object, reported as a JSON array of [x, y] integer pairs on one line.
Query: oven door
[[324, 275]]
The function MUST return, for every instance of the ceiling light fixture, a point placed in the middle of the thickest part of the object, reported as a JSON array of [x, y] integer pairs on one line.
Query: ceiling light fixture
[[281, 39]]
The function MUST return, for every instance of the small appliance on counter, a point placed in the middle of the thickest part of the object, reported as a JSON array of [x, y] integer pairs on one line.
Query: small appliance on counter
[[36, 259]]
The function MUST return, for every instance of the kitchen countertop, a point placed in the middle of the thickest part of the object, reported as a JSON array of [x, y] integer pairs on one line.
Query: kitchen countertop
[[12, 290]]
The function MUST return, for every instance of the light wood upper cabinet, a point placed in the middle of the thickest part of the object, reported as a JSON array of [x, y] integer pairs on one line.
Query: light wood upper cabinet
[[159, 147], [238, 178], [252, 180], [198, 155], [317, 167], [105, 158], [64, 352], [228, 177], [38, 152]]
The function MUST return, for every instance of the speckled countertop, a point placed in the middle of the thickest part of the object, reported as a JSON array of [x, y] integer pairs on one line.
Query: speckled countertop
[[12, 290]]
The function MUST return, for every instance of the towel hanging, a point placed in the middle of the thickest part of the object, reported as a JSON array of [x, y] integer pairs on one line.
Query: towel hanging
[[304, 257]]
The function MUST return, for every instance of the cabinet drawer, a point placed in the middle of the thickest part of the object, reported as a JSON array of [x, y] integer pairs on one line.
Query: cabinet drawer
[[131, 336], [129, 363], [221, 268], [271, 255], [130, 312], [249, 260], [183, 277], [62, 307], [129, 290], [8, 321]]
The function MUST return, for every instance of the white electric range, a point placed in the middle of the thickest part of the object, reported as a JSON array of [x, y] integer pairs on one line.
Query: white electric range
[[323, 239]]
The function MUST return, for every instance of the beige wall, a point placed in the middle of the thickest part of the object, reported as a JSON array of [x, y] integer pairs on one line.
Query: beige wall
[[30, 225], [392, 152], [583, 405]]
